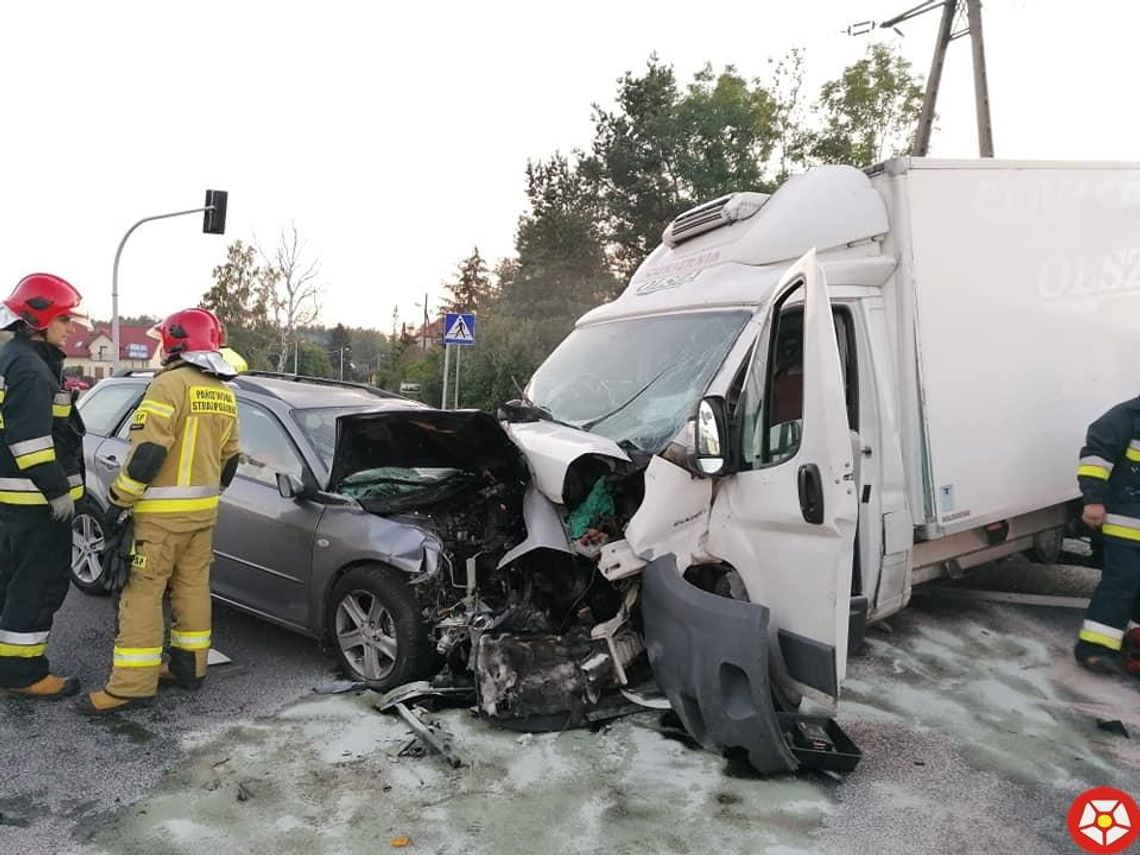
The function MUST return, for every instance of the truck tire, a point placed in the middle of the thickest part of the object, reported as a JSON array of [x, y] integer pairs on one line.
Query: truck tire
[[1046, 547], [88, 530], [376, 628]]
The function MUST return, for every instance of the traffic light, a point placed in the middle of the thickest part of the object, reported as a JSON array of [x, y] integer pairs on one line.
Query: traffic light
[[214, 222]]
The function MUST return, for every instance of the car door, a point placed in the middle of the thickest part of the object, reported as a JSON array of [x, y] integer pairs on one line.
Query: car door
[[264, 543], [786, 519], [103, 410]]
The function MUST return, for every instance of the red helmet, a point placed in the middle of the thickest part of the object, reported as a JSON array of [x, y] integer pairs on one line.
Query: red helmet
[[189, 330], [41, 298]]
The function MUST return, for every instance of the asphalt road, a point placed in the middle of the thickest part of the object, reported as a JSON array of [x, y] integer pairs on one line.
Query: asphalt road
[[61, 773], [976, 726]]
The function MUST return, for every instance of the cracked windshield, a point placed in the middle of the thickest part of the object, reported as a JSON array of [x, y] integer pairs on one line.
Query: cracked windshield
[[635, 381]]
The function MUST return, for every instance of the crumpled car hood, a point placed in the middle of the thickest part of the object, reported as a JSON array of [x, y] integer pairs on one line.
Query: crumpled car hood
[[464, 440], [551, 449]]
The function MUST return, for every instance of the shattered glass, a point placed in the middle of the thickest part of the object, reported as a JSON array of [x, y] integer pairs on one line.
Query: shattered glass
[[636, 381]]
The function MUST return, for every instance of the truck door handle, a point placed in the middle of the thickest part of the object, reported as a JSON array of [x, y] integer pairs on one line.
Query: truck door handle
[[110, 460], [811, 493]]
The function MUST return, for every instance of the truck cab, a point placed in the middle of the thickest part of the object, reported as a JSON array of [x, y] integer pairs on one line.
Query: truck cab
[[744, 372]]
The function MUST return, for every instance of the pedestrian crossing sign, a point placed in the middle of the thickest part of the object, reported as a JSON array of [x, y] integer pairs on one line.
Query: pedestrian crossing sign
[[459, 328]]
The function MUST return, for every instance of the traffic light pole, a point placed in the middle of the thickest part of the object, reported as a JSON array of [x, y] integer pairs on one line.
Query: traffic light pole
[[215, 223]]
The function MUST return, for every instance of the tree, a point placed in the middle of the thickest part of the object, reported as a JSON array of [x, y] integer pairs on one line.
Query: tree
[[790, 118], [296, 295], [340, 348], [313, 360], [508, 352], [369, 350], [662, 151], [240, 297], [868, 112], [139, 321], [472, 287]]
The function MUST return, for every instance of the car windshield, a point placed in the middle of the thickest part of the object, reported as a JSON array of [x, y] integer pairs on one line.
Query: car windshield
[[635, 381], [319, 426]]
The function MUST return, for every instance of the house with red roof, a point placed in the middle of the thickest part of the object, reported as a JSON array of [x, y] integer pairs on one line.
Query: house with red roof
[[90, 353]]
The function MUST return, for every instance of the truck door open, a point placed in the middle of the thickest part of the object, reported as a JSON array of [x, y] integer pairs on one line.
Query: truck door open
[[786, 519]]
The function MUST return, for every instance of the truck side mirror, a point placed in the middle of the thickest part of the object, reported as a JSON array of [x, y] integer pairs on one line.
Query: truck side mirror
[[712, 438]]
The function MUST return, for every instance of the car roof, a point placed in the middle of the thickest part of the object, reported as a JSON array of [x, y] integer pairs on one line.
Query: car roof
[[299, 392]]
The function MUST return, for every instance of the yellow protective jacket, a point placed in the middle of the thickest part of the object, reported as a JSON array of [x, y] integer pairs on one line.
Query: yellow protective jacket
[[184, 450]]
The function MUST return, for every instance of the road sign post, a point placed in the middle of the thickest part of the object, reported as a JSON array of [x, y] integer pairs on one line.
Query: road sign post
[[446, 375], [458, 331]]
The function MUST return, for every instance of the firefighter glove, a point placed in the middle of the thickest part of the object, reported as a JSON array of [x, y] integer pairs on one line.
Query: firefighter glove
[[62, 508]]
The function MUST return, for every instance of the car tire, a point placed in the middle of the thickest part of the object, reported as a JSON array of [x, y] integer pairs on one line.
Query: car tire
[[88, 531], [376, 628]]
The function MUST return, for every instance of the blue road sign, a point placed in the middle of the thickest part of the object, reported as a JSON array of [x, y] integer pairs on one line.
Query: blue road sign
[[459, 328]]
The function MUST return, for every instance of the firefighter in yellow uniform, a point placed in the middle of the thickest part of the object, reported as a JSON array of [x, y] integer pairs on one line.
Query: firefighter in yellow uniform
[[184, 452]]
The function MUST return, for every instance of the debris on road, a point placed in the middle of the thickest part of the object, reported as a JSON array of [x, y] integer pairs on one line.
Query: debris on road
[[428, 732], [339, 687], [1113, 726]]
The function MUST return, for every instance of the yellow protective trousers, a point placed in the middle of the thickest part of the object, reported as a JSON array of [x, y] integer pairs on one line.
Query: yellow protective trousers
[[164, 560]]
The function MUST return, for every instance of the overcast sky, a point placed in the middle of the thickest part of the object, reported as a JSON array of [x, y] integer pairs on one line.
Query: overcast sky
[[395, 135]]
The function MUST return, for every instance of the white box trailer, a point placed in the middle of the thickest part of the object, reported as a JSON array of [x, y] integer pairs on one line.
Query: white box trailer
[[1013, 308], [861, 381]]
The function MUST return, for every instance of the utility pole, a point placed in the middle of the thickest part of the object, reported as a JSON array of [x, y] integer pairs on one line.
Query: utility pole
[[424, 328], [946, 34], [926, 117], [981, 86]]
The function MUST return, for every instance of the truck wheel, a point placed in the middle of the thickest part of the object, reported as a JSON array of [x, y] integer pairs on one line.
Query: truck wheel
[[1046, 547], [377, 630], [88, 528]]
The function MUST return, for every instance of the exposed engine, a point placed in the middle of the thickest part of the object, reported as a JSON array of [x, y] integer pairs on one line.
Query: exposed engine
[[547, 638]]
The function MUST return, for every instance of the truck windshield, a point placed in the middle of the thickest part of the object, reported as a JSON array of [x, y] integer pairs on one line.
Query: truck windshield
[[635, 381]]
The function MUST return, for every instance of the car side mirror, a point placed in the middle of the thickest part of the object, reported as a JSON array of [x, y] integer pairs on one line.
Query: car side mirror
[[292, 487], [711, 437]]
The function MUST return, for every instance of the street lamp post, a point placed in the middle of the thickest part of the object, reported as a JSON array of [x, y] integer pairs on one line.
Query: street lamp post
[[214, 223]]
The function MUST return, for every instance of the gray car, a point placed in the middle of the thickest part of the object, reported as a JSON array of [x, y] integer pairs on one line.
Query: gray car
[[287, 549]]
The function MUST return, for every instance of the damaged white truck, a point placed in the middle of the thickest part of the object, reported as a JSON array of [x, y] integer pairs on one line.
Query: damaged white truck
[[802, 404]]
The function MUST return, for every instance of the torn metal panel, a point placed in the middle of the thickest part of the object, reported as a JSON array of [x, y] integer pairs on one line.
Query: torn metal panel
[[710, 657], [543, 527], [673, 518], [551, 449], [619, 561]]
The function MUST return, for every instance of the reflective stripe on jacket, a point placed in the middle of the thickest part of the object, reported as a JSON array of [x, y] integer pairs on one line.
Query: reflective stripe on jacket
[[41, 434]]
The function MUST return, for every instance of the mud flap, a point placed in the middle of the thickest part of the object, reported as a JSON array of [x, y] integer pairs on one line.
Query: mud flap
[[710, 657]]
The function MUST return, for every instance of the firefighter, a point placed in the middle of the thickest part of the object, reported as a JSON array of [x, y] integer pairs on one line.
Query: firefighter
[[41, 476], [1109, 477], [184, 452]]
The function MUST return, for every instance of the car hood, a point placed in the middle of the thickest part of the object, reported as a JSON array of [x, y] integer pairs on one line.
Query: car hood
[[552, 448], [465, 440]]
